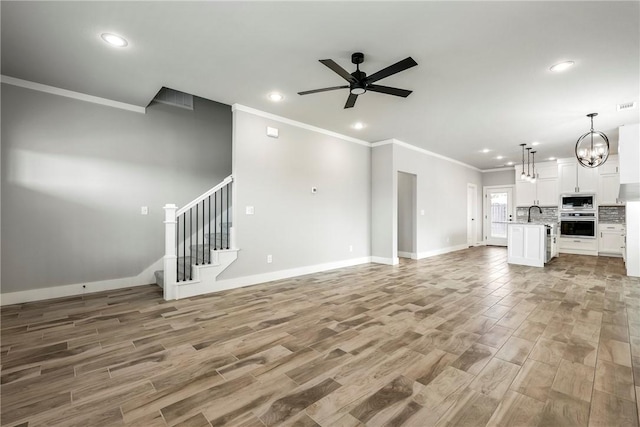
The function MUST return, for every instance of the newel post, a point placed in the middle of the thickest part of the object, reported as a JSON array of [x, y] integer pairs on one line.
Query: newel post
[[170, 253]]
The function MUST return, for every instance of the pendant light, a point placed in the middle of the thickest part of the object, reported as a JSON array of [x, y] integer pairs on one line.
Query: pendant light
[[591, 152], [533, 167], [522, 175], [528, 177]]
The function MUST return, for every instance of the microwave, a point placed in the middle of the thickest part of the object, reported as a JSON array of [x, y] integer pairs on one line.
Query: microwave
[[578, 202]]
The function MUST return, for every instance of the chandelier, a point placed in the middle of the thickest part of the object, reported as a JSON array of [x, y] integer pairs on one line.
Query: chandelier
[[592, 148]]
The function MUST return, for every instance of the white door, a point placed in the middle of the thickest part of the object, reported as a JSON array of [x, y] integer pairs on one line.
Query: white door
[[498, 210], [472, 212]]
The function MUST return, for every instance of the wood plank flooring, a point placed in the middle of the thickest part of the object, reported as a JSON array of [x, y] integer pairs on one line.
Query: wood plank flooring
[[462, 339]]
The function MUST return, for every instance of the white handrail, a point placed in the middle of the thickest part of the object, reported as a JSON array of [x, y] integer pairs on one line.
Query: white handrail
[[200, 198]]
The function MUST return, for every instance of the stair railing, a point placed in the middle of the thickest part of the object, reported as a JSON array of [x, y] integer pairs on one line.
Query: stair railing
[[191, 233]]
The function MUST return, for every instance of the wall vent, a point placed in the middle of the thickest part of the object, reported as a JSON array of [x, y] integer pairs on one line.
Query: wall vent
[[626, 106], [175, 98]]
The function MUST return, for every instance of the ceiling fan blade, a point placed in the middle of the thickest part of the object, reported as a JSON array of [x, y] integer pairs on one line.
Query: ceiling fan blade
[[338, 70], [307, 92], [392, 69], [389, 90], [351, 101]]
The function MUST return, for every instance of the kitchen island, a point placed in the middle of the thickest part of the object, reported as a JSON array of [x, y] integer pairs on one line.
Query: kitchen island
[[531, 243]]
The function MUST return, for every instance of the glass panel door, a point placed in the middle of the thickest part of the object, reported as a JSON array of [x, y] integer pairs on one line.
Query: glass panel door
[[498, 212]]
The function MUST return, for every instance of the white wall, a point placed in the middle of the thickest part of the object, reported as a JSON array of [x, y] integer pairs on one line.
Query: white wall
[[296, 227], [441, 193]]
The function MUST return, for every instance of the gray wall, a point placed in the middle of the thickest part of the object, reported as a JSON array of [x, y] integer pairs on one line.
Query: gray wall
[[384, 213], [505, 177], [75, 175], [441, 193], [296, 227]]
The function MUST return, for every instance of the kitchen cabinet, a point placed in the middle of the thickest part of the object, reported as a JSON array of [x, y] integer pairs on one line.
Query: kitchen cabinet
[[609, 182], [526, 244], [611, 239], [575, 178], [571, 245], [629, 149], [544, 192]]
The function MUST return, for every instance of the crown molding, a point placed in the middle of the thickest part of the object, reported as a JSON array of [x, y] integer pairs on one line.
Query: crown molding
[[423, 151], [507, 168], [255, 112], [71, 94]]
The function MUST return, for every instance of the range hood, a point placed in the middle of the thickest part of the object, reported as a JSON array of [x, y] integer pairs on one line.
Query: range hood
[[630, 192]]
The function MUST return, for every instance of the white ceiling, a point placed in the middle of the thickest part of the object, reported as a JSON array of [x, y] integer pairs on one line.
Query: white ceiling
[[483, 78]]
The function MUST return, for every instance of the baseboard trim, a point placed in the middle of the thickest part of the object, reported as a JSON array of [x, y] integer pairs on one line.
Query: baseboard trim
[[19, 297], [256, 279], [387, 261], [441, 251], [411, 255]]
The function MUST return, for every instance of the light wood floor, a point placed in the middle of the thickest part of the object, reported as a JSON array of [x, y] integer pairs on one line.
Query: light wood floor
[[455, 340]]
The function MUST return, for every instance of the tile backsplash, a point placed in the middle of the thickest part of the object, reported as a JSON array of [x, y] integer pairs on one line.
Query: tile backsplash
[[547, 215], [611, 215]]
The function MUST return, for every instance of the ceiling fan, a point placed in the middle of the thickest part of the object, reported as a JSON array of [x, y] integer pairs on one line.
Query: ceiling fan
[[359, 83]]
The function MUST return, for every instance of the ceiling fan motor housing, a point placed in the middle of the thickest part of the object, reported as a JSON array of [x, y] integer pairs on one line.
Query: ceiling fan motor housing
[[357, 58]]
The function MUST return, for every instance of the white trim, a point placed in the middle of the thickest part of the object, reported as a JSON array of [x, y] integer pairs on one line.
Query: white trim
[[255, 279], [200, 198], [412, 255], [71, 94], [387, 261], [441, 251], [144, 278], [507, 168], [423, 151], [281, 119]]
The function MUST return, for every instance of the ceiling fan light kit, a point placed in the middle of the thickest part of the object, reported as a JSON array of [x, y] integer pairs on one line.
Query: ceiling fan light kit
[[590, 153], [358, 81]]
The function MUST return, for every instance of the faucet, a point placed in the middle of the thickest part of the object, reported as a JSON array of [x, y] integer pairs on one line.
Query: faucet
[[533, 206]]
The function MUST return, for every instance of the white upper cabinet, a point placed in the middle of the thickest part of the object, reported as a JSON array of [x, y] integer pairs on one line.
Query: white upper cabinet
[[575, 178], [544, 191], [629, 149], [609, 182]]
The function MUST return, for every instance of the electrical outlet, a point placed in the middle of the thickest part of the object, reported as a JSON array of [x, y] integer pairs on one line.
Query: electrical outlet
[[448, 239], [350, 248], [269, 259], [249, 210], [144, 210], [422, 212]]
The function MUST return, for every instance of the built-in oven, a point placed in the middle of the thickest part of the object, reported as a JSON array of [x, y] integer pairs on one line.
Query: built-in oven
[[578, 202], [578, 224]]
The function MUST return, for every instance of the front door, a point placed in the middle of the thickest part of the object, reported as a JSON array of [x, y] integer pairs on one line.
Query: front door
[[498, 208]]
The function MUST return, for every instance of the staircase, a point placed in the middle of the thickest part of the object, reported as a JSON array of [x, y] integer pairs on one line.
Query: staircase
[[198, 243]]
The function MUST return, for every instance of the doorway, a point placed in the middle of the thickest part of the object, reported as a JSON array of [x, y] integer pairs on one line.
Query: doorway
[[472, 212], [498, 211], [407, 218]]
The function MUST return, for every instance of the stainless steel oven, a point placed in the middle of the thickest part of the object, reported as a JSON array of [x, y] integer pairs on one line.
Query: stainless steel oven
[[578, 202], [578, 224]]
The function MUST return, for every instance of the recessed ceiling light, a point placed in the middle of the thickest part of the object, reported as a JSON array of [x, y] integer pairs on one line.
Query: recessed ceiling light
[[509, 163], [114, 40], [500, 157], [562, 66], [358, 125], [485, 150], [552, 158], [535, 143], [276, 97]]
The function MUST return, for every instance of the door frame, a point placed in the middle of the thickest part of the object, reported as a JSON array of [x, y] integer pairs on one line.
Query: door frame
[[486, 226]]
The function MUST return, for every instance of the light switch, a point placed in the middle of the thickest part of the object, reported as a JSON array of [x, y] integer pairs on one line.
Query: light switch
[[422, 212], [249, 210], [144, 210]]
